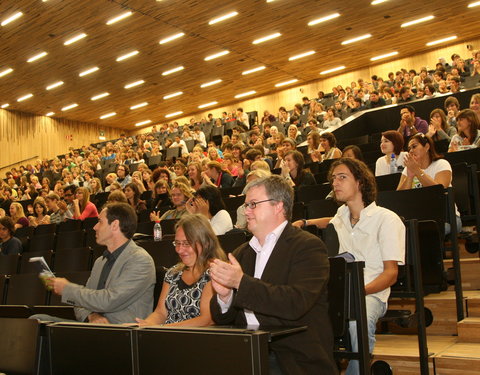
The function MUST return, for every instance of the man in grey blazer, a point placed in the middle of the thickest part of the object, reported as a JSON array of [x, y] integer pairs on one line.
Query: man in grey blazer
[[120, 287]]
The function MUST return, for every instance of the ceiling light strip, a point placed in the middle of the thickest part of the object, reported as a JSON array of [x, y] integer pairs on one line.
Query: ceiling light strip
[[74, 39], [12, 18], [174, 70], [107, 115], [100, 96], [266, 38], [120, 17], [384, 56], [286, 83], [324, 19], [171, 38], [133, 84], [143, 122], [418, 20], [299, 56], [216, 55], [70, 106], [443, 40], [49, 114], [4, 105], [174, 114], [5, 72], [127, 55], [140, 105], [88, 71], [245, 94], [211, 83], [333, 70], [37, 56], [207, 105], [54, 85], [250, 71], [222, 18], [24, 97], [357, 39]]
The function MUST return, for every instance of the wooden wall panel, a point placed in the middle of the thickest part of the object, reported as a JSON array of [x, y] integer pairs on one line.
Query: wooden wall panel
[[26, 136], [289, 97]]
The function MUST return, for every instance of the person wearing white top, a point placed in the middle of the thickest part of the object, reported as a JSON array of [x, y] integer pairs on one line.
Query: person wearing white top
[[391, 143], [199, 136], [277, 279], [370, 233], [180, 143]]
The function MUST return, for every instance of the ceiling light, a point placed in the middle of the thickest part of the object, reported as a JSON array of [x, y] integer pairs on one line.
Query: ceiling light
[[286, 83], [178, 93], [418, 20], [127, 55], [265, 38], [5, 105], [89, 71], [324, 19], [140, 105], [133, 84], [76, 38], [53, 85], [37, 56], [207, 105], [5, 72], [379, 57], [107, 115], [70, 106], [358, 38], [222, 18], [245, 94], [174, 114], [119, 18], [299, 56], [174, 70], [375, 2], [24, 97], [171, 37], [211, 83], [257, 69], [475, 4], [50, 114], [99, 96], [12, 18], [143, 122], [453, 37], [214, 56], [333, 70]]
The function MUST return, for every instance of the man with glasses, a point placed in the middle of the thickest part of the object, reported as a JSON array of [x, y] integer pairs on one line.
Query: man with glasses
[[277, 279], [66, 206], [120, 287]]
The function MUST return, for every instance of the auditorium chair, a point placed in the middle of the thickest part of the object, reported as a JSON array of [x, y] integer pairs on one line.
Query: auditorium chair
[[89, 223], [388, 182], [232, 239], [45, 229], [73, 260], [163, 252], [26, 289], [70, 240], [41, 242], [9, 264], [32, 267], [69, 226]]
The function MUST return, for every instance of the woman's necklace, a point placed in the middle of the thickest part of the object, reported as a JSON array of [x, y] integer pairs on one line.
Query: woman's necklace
[[354, 220]]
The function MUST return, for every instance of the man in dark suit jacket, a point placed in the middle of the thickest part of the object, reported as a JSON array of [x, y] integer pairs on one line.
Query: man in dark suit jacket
[[278, 279]]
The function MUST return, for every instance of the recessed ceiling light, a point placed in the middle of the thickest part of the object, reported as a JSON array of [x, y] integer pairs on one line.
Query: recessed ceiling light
[[379, 57], [99, 96], [265, 38], [286, 83], [357, 39], [475, 4], [207, 105], [37, 56], [107, 115], [5, 72], [70, 106], [174, 70], [323, 19], [133, 84], [211, 83], [88, 71], [453, 37], [143, 122], [127, 55], [50, 114], [245, 94], [173, 114], [257, 69], [375, 2], [222, 18], [333, 70], [299, 56], [140, 105], [119, 18], [24, 97], [5, 105], [178, 93], [74, 39], [53, 85], [215, 55], [171, 37], [418, 20], [12, 18]]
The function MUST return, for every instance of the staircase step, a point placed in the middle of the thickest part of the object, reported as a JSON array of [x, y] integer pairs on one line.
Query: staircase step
[[469, 330], [470, 268], [460, 358]]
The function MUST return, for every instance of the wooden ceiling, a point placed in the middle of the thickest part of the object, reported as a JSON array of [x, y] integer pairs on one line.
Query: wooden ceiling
[[46, 25]]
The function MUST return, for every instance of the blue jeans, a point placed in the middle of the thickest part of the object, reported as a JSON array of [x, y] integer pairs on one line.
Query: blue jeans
[[375, 310]]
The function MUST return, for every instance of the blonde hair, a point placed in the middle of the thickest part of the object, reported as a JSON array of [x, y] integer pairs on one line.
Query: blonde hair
[[18, 211]]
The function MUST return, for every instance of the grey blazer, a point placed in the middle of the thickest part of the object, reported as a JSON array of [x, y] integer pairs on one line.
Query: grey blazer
[[128, 290]]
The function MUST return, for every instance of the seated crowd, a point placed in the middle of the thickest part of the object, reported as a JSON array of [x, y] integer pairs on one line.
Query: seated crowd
[[279, 277]]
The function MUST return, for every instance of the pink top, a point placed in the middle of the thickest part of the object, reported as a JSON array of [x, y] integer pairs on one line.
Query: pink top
[[89, 211]]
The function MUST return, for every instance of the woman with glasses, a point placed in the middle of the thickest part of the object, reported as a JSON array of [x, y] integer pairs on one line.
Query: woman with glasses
[[179, 195], [187, 289]]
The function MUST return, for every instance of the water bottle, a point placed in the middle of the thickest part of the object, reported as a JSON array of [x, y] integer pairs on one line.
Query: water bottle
[[157, 231], [393, 164]]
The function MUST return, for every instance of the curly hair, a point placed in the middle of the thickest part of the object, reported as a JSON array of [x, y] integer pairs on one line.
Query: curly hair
[[362, 174]]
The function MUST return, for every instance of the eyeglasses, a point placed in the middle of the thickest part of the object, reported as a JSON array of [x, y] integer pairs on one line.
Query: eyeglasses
[[253, 204], [181, 243]]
